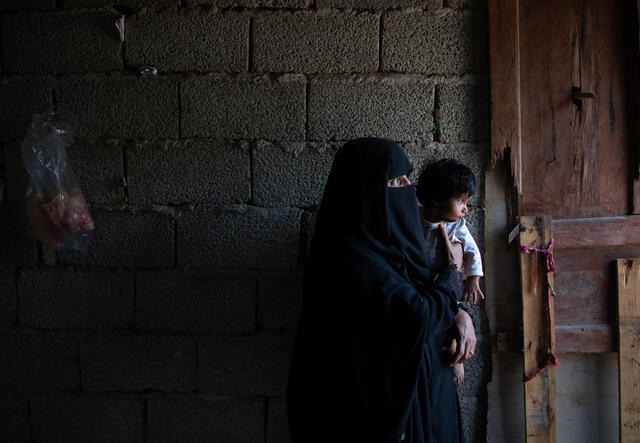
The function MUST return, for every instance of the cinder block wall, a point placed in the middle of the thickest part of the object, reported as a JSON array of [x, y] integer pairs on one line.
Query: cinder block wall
[[203, 181]]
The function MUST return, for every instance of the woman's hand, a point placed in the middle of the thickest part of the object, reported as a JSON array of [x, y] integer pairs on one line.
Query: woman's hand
[[464, 344], [453, 251]]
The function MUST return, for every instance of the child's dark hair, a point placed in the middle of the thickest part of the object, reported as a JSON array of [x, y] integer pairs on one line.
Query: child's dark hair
[[444, 179]]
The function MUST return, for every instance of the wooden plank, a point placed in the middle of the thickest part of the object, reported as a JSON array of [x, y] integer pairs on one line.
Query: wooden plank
[[629, 355], [504, 71], [596, 232], [585, 339], [540, 409], [580, 339], [576, 153]]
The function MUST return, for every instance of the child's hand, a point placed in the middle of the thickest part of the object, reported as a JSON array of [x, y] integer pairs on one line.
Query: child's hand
[[458, 373], [472, 289]]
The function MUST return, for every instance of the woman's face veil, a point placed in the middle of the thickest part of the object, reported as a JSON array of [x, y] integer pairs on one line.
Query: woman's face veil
[[357, 203]]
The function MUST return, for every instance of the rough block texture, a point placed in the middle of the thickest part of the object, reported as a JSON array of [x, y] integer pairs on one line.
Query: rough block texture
[[476, 157], [121, 106], [98, 169], [279, 301], [155, 4], [126, 238], [17, 248], [398, 108], [474, 418], [76, 299], [443, 43], [20, 98], [283, 4], [464, 112], [245, 106], [79, 418], [466, 4], [244, 237], [195, 301], [244, 366], [192, 418], [290, 174], [37, 359], [191, 171], [428, 5], [310, 42], [277, 426], [194, 41], [65, 41], [24, 5], [8, 298], [16, 174], [14, 417], [126, 363]]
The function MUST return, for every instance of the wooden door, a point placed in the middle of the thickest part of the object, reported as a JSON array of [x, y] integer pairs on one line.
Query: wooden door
[[564, 97], [564, 102]]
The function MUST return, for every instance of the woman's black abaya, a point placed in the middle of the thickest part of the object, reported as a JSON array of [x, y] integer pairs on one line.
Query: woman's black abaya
[[367, 364]]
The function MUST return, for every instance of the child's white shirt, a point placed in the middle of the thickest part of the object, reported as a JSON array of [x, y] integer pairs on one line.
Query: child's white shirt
[[458, 233]]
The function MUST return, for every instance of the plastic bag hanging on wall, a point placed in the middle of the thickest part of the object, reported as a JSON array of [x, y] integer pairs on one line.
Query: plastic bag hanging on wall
[[55, 207]]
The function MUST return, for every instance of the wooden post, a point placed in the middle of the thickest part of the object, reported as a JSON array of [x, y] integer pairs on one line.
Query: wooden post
[[539, 393], [629, 340]]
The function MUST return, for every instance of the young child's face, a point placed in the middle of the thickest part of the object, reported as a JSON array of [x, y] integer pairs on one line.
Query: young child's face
[[452, 209]]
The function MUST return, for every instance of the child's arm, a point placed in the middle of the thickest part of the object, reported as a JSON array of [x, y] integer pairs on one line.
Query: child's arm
[[472, 265]]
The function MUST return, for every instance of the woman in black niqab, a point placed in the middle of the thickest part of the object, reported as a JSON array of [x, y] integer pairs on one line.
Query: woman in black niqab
[[367, 363]]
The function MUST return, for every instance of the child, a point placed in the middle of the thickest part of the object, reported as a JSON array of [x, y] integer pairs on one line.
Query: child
[[444, 189]]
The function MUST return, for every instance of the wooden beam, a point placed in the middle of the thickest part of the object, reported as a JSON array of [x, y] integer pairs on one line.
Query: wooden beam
[[540, 392], [629, 355], [504, 71], [577, 339]]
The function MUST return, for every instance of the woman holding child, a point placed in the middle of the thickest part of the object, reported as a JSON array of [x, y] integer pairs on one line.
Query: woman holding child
[[368, 362]]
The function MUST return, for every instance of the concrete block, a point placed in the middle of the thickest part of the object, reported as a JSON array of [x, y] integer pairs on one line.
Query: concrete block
[[128, 239], [191, 171], [227, 4], [397, 108], [193, 41], [196, 418], [39, 359], [121, 106], [135, 4], [14, 417], [17, 248], [70, 417], [290, 174], [98, 169], [279, 301], [474, 418], [466, 4], [27, 5], [464, 112], [246, 106], [8, 298], [448, 42], [475, 156], [80, 299], [312, 42], [428, 5], [64, 42], [244, 367], [20, 98], [196, 301], [307, 232], [15, 172], [244, 237], [137, 363], [277, 425]]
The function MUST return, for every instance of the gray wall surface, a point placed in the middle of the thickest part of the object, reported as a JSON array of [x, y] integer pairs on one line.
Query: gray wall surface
[[203, 182]]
